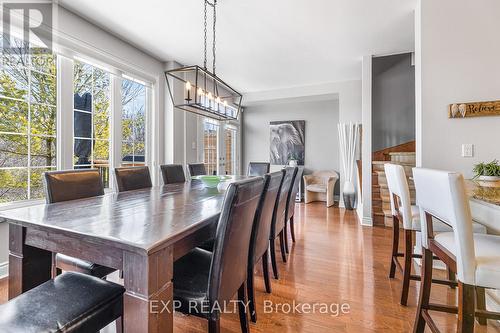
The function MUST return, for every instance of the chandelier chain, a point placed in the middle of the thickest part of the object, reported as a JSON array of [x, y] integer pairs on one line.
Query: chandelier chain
[[213, 41], [205, 38]]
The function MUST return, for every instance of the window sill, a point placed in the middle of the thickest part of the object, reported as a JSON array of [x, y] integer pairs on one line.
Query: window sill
[[27, 203], [20, 204]]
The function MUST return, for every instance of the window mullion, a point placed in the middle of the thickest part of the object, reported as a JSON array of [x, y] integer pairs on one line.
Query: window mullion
[[116, 125], [64, 132]]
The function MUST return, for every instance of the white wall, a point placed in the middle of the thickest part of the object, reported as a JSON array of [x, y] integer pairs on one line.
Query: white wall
[[347, 92], [321, 135], [457, 61]]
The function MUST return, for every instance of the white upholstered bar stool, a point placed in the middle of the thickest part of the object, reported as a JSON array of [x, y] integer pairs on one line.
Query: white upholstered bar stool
[[406, 214], [474, 257]]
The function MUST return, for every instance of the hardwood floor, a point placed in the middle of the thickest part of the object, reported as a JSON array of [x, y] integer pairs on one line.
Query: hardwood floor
[[335, 260]]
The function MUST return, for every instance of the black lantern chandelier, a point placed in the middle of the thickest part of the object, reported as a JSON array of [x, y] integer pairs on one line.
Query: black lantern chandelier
[[196, 89]]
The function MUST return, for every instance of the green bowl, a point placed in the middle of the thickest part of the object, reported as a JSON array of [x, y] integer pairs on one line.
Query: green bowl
[[211, 181]]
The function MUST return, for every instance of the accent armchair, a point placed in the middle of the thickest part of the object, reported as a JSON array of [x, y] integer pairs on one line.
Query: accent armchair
[[319, 186]]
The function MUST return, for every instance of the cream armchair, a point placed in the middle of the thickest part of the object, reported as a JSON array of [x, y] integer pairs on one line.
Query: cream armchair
[[319, 186]]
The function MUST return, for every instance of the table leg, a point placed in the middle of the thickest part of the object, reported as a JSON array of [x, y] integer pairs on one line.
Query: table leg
[[28, 266], [148, 300]]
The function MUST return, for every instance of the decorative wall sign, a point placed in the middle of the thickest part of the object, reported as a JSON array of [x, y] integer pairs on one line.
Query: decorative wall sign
[[477, 109], [287, 142]]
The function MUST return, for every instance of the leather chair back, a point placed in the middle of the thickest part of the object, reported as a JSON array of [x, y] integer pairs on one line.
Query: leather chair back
[[278, 222], [259, 242], [398, 186], [172, 173], [72, 184], [197, 169], [442, 195], [294, 189], [258, 168], [228, 270], [132, 178]]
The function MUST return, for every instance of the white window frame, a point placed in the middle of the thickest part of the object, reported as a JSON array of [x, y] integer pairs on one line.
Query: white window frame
[[65, 116], [29, 103]]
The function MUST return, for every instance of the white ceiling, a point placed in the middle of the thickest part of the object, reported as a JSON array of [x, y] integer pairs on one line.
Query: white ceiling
[[262, 44]]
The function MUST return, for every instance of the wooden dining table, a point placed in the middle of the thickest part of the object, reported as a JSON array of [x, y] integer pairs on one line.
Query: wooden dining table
[[139, 232]]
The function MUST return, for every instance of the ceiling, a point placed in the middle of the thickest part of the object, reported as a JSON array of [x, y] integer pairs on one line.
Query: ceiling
[[262, 44]]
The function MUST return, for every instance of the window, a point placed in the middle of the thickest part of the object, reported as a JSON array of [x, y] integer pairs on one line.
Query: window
[[230, 146], [28, 121], [133, 123], [210, 150], [91, 118]]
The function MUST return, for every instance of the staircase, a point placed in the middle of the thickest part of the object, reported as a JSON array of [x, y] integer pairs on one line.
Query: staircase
[[381, 204]]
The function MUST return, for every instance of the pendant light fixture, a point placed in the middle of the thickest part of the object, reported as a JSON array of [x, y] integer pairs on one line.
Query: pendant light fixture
[[196, 89]]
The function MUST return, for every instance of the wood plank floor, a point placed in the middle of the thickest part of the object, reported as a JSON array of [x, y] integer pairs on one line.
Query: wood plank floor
[[335, 260]]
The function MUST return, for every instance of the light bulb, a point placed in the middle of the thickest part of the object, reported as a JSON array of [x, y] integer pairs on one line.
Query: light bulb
[[188, 85]]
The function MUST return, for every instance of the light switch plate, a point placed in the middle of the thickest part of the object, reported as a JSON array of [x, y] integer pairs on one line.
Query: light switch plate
[[467, 150]]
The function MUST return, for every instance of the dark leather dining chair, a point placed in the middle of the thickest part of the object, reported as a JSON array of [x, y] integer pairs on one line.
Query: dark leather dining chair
[[132, 178], [71, 302], [172, 173], [259, 242], [278, 221], [258, 168], [205, 280], [71, 185], [290, 207], [197, 169]]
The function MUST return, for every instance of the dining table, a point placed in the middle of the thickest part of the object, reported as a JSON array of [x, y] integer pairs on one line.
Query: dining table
[[140, 233]]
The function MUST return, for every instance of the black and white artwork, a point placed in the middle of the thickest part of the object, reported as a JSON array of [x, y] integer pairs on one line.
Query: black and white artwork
[[287, 142]]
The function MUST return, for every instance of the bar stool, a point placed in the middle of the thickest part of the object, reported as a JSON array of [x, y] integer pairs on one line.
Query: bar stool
[[408, 215], [474, 257]]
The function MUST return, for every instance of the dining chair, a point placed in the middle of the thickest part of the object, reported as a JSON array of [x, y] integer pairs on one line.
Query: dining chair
[[71, 185], [278, 221], [258, 168], [259, 241], [290, 206], [197, 169], [172, 173], [205, 281], [71, 302], [475, 258], [407, 216], [132, 178]]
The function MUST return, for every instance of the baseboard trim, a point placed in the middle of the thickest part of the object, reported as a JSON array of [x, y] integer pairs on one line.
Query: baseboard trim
[[4, 269], [367, 221]]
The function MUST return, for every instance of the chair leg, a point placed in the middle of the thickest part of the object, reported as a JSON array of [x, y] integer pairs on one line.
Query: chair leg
[[466, 308], [292, 229], [282, 245], [481, 304], [407, 267], [451, 276], [119, 325], [242, 309], [425, 291], [395, 246], [213, 325], [285, 236], [273, 259], [265, 271], [251, 294]]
